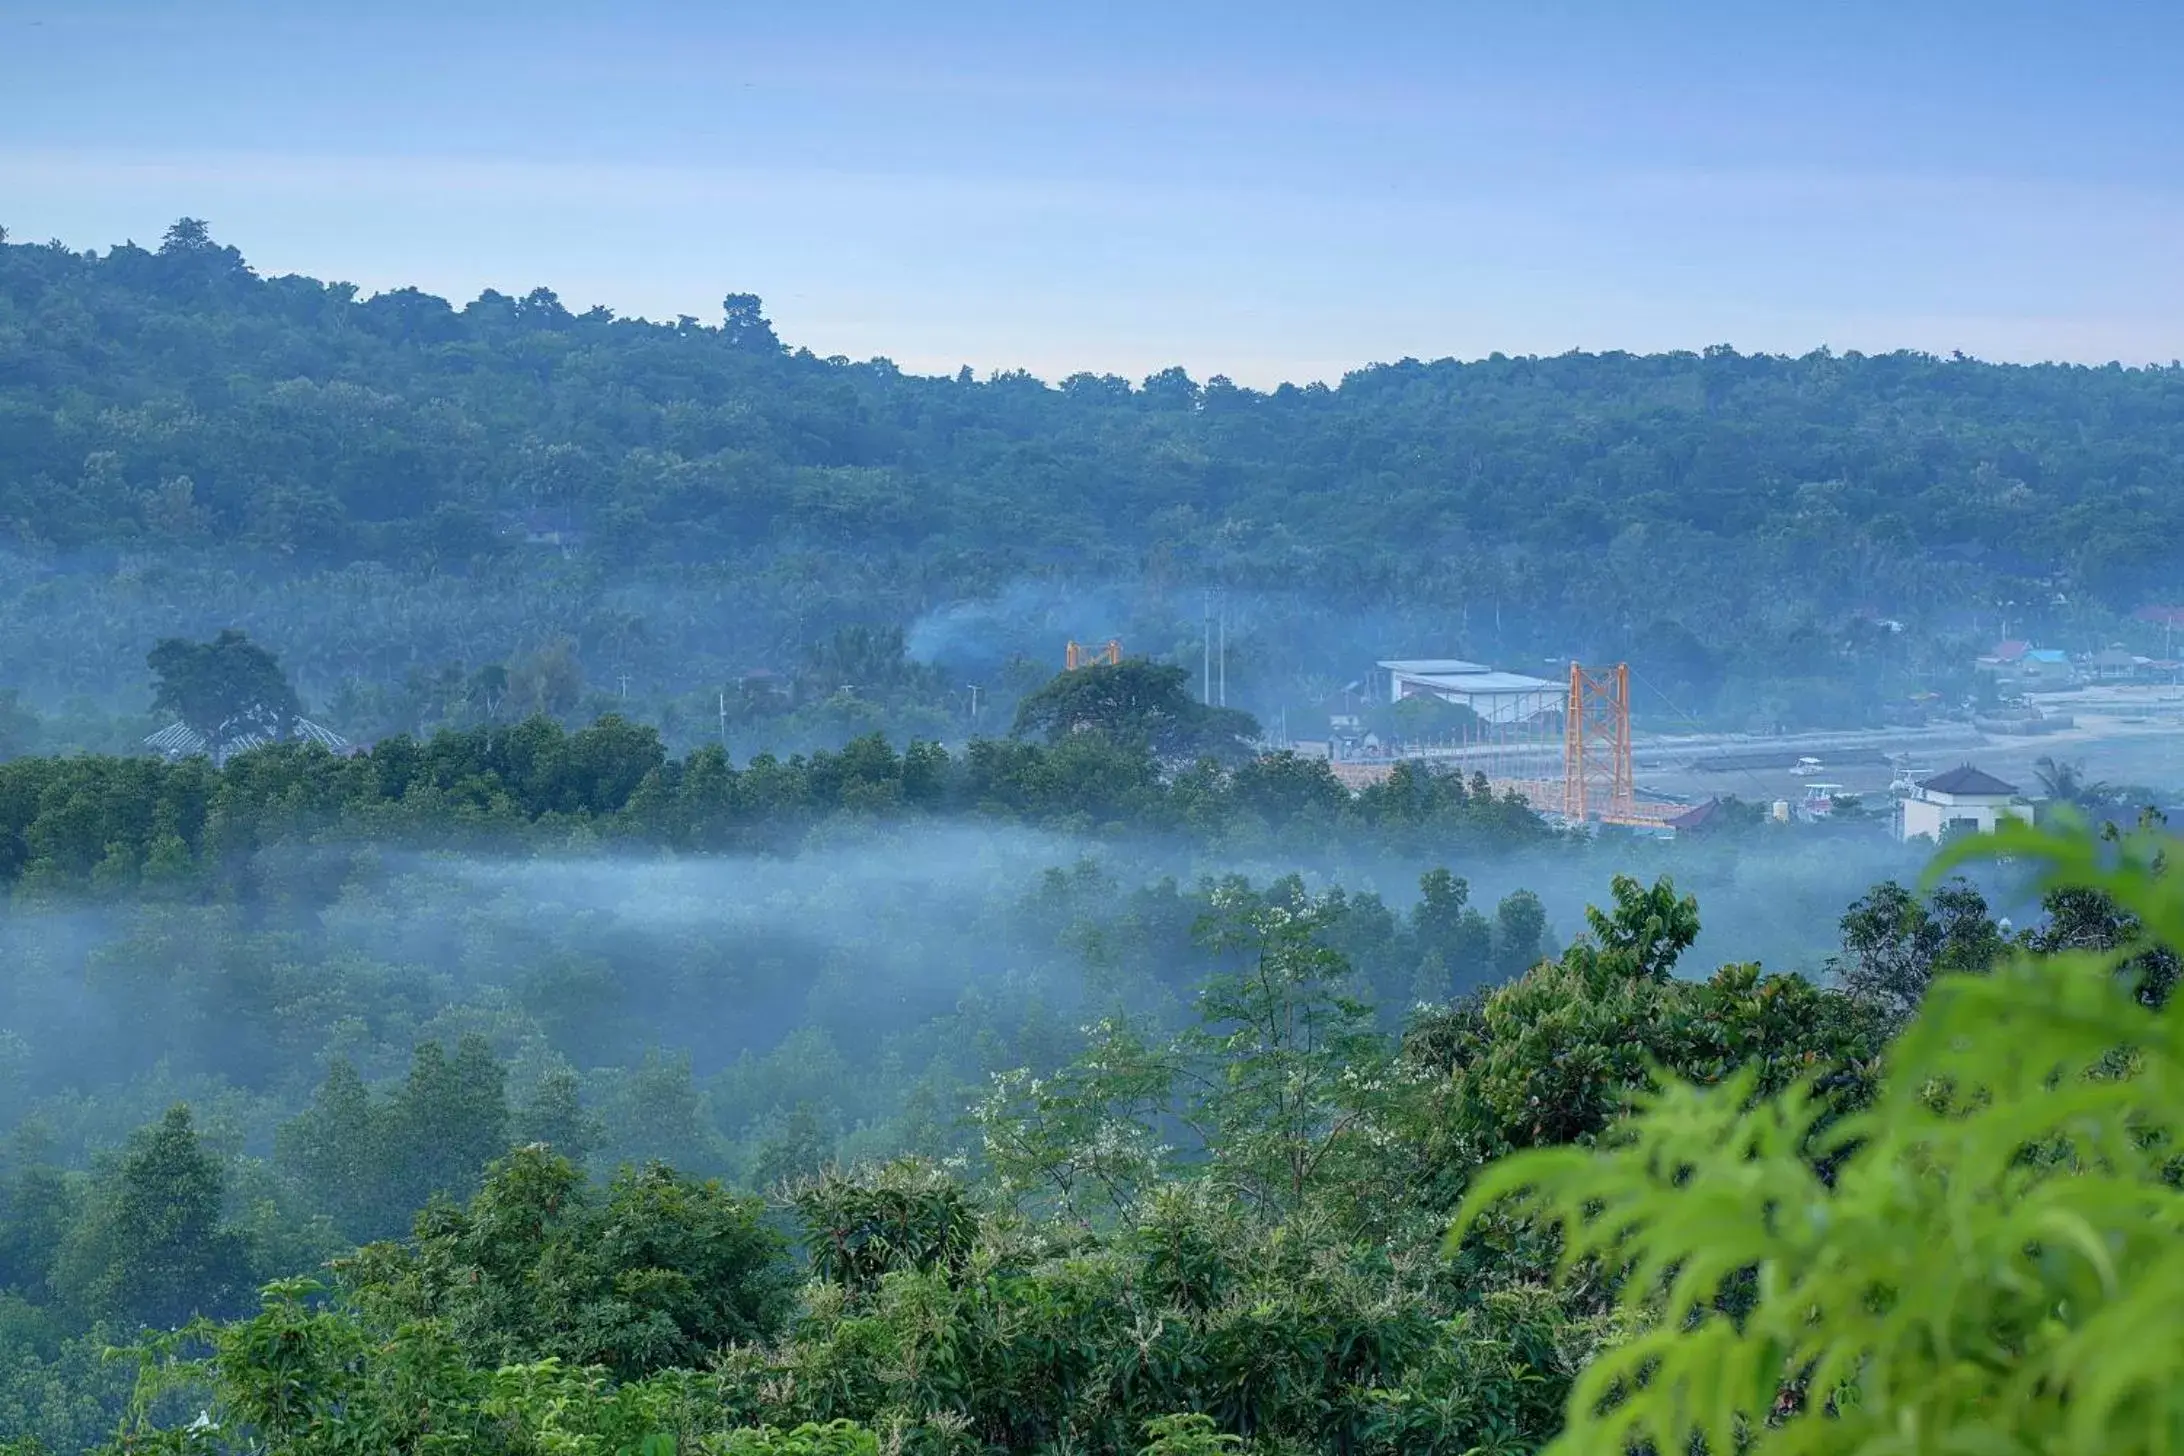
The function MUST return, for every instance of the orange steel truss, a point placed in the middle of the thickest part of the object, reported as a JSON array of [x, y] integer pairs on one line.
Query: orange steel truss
[[1597, 782], [1078, 655]]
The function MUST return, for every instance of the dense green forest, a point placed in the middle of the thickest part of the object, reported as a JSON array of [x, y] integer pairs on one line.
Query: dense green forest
[[690, 1027], [734, 997], [710, 530], [1171, 1167]]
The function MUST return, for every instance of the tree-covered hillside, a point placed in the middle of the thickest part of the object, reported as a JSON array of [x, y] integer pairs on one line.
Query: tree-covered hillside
[[381, 486]]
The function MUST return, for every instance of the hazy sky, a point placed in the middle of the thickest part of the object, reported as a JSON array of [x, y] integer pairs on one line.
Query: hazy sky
[[1268, 190]]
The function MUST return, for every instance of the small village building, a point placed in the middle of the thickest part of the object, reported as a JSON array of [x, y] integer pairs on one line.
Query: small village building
[[2019, 665], [551, 528], [2118, 666], [1698, 819], [1964, 800], [2046, 667]]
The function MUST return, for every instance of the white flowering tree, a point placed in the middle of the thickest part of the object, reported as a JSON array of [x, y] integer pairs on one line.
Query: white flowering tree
[[1084, 1142], [1291, 1077]]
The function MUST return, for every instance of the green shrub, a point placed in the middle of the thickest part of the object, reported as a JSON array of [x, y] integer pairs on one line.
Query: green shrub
[[1994, 1266], [1187, 1435], [835, 1438]]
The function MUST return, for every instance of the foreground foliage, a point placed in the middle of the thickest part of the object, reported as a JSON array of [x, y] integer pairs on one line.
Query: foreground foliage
[[1291, 1336], [1993, 1265]]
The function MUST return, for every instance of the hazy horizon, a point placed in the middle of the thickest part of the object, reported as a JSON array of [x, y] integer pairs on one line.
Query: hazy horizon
[[1063, 369], [1269, 196]]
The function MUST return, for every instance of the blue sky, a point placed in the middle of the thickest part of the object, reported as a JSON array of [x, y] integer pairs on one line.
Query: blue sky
[[1267, 191]]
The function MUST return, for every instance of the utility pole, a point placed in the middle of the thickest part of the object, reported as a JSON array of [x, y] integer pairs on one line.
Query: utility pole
[[1205, 653], [1224, 649], [723, 720]]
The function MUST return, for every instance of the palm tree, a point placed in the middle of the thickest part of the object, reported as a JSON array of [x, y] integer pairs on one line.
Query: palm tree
[[2066, 783]]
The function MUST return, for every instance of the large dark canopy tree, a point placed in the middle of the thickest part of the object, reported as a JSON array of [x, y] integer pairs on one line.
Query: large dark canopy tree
[[1137, 702], [224, 690]]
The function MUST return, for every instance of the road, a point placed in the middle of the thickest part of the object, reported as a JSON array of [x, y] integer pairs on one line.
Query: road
[[2124, 735]]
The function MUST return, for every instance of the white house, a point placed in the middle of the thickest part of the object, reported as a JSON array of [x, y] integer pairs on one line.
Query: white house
[[1962, 800]]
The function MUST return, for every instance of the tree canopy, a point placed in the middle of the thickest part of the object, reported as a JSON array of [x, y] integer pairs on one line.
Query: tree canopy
[[224, 690], [380, 485], [1138, 703]]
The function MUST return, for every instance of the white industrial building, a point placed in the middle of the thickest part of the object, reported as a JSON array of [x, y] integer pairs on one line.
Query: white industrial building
[[1963, 800], [1496, 697]]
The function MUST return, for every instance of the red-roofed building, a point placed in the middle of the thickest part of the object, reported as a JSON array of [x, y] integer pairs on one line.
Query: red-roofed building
[[1698, 818]]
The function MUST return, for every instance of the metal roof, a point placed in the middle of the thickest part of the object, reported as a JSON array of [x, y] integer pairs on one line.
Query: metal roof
[[1434, 666], [1484, 683], [179, 740]]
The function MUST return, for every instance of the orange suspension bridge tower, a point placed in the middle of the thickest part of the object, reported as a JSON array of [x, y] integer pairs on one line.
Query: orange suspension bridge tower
[[1585, 776], [1597, 782], [1078, 655]]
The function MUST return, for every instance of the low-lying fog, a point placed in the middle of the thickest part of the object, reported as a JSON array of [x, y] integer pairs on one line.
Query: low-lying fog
[[875, 959]]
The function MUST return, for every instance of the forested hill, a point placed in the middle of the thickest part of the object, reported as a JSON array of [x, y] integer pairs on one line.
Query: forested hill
[[172, 401], [397, 426]]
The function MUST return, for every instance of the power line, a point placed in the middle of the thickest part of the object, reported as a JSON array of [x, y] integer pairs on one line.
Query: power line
[[1767, 794]]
